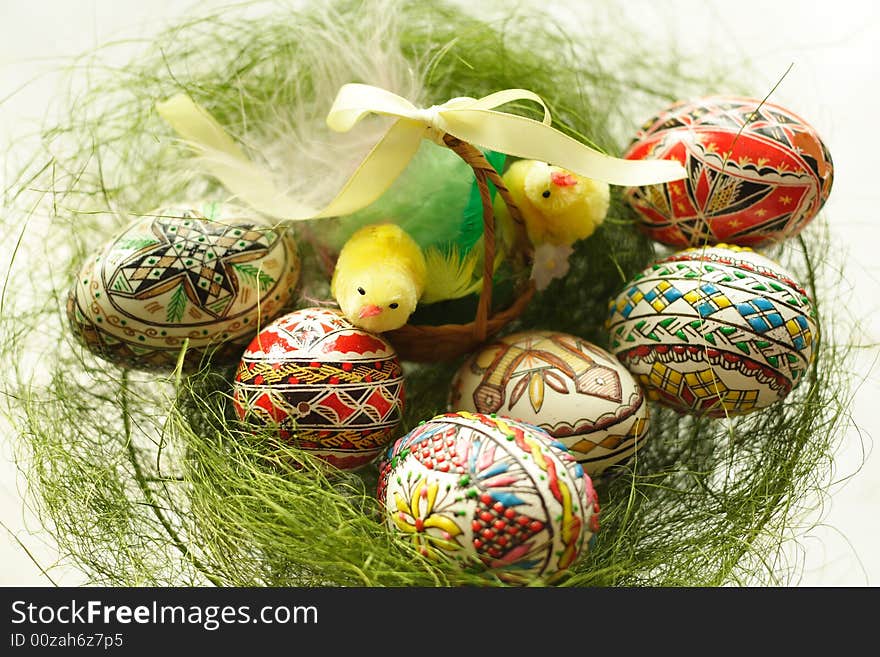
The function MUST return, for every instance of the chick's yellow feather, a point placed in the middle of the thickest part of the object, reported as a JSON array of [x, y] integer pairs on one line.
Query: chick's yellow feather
[[453, 274]]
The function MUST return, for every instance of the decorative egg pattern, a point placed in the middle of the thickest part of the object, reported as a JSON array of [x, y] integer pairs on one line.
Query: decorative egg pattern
[[756, 173], [182, 274], [715, 330], [489, 493], [577, 392], [331, 388]]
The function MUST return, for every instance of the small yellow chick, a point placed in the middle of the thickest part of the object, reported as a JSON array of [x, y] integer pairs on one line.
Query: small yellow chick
[[379, 277], [559, 207]]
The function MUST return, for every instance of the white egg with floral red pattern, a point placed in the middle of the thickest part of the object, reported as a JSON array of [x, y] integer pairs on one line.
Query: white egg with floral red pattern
[[577, 392], [489, 494]]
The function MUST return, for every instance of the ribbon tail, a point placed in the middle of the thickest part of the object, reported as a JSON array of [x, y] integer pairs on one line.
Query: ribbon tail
[[378, 170], [253, 184], [529, 139], [225, 160], [194, 124]]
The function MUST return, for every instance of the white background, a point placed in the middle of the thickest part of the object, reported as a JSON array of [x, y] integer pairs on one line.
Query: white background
[[834, 83]]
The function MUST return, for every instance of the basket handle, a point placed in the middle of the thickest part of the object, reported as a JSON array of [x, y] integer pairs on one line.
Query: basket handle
[[484, 171]]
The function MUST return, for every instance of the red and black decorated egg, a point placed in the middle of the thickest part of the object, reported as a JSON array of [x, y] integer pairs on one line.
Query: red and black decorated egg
[[327, 386], [757, 173]]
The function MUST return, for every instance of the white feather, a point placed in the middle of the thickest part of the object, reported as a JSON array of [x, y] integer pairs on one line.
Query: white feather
[[305, 160]]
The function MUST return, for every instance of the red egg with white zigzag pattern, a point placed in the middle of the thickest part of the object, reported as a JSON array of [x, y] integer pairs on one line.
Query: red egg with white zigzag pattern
[[325, 385], [756, 173]]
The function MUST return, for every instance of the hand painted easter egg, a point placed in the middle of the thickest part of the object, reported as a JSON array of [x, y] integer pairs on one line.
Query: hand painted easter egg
[[757, 173], [206, 275], [489, 494], [329, 387], [577, 392], [716, 330]]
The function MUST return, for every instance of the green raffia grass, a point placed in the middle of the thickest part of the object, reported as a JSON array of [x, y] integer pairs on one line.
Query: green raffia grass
[[145, 479]]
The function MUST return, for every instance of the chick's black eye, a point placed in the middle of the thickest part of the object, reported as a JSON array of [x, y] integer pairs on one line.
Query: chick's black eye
[[546, 193], [393, 306], [361, 291]]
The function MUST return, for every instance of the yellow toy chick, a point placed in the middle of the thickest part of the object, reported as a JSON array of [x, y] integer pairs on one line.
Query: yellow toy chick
[[559, 207], [379, 277], [382, 274]]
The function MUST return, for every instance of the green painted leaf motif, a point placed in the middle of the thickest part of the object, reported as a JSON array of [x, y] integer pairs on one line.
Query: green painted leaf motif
[[218, 306], [121, 284], [135, 243], [174, 311], [255, 276]]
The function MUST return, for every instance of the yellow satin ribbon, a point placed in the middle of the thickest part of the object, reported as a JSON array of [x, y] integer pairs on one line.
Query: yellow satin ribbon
[[475, 121]]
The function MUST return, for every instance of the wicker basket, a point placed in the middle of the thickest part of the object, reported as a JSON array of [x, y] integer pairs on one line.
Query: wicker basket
[[434, 343]]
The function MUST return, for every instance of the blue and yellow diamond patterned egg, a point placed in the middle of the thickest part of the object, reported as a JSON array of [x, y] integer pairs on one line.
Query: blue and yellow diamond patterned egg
[[719, 330], [204, 275], [576, 391]]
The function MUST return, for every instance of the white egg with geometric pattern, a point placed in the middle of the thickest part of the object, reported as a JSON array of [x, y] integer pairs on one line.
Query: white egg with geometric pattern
[[206, 276], [715, 331]]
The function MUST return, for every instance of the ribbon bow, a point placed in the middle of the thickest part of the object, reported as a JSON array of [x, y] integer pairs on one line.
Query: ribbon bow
[[475, 121]]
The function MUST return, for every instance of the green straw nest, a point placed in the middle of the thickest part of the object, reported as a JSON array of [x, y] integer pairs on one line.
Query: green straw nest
[[145, 479]]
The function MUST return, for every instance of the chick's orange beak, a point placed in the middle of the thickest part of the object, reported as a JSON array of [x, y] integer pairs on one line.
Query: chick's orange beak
[[369, 310]]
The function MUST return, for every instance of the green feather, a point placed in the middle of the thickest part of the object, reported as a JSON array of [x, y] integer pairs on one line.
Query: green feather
[[472, 223], [435, 200]]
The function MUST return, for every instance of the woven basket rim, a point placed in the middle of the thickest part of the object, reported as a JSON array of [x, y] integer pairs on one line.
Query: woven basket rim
[[435, 342], [485, 323]]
